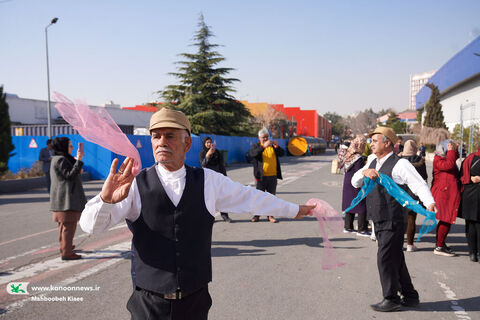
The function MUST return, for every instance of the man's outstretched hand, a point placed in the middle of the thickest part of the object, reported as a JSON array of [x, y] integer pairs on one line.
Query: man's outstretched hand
[[304, 210]]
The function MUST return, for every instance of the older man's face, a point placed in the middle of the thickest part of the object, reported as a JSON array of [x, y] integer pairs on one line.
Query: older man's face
[[263, 138], [170, 146], [378, 146]]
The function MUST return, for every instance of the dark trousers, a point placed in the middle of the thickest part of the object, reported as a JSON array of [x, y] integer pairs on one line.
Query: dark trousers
[[472, 229], [268, 184], [144, 305], [362, 221], [393, 271], [47, 180]]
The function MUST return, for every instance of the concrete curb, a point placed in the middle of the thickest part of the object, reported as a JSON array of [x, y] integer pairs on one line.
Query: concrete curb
[[20, 185]]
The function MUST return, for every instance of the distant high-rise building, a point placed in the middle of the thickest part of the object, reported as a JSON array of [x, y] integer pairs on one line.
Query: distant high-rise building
[[417, 81]]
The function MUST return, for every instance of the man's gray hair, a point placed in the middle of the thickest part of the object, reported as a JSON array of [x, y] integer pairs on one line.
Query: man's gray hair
[[263, 132]]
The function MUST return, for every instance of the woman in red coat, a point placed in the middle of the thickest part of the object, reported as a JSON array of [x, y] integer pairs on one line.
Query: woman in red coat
[[446, 192]]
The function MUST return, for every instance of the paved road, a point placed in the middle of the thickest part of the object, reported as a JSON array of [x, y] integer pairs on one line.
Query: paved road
[[260, 270]]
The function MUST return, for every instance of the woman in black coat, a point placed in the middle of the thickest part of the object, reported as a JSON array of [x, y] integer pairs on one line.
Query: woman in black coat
[[471, 202], [67, 198], [212, 159]]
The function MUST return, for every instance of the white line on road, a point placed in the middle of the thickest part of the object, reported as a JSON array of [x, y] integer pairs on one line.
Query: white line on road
[[123, 246], [122, 225], [56, 263], [459, 310]]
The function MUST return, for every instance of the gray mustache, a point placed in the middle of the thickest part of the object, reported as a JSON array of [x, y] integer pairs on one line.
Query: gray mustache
[[159, 149]]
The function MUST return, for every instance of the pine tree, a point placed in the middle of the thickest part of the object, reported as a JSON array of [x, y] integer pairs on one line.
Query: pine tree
[[434, 114], [203, 93], [6, 146], [395, 123]]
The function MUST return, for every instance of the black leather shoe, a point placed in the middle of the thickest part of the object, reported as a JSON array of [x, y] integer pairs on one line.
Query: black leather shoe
[[473, 257], [410, 301], [386, 306]]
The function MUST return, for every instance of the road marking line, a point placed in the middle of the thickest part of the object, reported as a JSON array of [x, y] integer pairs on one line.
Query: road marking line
[[124, 246], [28, 236], [455, 306], [57, 263], [48, 246]]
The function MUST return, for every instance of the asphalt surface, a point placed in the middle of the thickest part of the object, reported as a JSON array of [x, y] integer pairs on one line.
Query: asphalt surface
[[260, 270]]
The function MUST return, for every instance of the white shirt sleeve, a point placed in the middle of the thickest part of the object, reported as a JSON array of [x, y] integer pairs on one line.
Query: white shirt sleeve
[[357, 179], [405, 173], [99, 216], [223, 194]]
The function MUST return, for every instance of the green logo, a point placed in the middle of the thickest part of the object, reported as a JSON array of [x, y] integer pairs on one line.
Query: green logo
[[17, 287]]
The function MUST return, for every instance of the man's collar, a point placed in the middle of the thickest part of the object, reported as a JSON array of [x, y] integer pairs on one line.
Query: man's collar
[[384, 158]]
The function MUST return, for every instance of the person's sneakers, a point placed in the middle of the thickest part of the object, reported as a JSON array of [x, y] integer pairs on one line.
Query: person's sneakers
[[255, 218], [363, 234], [411, 248], [387, 306], [442, 251], [348, 231], [448, 248], [410, 301]]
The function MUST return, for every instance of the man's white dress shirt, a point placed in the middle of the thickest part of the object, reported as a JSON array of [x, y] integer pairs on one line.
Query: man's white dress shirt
[[402, 173], [221, 194]]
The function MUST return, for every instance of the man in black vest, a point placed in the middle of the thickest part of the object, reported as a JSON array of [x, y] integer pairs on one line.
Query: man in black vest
[[170, 209], [388, 218]]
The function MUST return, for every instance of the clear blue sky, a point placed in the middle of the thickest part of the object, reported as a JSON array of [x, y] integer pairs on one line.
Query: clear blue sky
[[338, 56]]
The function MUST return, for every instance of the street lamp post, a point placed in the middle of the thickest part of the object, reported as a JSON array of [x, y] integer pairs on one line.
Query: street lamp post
[[49, 120]]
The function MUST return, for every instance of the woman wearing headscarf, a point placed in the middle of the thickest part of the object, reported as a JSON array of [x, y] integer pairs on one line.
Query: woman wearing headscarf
[[471, 202], [212, 159], [446, 192], [410, 153], [353, 162], [67, 198]]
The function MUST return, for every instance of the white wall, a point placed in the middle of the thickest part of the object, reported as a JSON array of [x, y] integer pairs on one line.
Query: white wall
[[30, 111], [462, 96]]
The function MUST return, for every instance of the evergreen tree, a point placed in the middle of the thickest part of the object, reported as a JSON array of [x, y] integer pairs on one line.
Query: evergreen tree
[[419, 115], [434, 114], [395, 123], [6, 146], [204, 91]]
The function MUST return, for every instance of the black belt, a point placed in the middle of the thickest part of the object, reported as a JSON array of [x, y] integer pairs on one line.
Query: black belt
[[177, 295]]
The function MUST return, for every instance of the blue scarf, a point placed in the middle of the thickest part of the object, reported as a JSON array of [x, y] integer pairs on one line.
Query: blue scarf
[[401, 196]]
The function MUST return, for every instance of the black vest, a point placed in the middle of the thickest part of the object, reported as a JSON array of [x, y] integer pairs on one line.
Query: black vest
[[172, 245], [381, 206]]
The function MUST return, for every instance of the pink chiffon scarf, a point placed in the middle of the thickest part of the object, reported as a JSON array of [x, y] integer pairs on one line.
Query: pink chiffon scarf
[[97, 126]]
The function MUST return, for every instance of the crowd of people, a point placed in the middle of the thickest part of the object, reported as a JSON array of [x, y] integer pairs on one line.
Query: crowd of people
[[453, 187], [170, 208], [453, 194]]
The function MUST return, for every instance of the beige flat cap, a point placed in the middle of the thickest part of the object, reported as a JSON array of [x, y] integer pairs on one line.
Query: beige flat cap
[[387, 132], [168, 118]]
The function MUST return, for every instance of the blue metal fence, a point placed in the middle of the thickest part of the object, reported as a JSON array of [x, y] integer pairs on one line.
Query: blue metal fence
[[97, 160]]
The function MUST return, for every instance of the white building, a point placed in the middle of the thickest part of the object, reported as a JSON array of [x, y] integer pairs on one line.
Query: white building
[[417, 81], [30, 111], [458, 81]]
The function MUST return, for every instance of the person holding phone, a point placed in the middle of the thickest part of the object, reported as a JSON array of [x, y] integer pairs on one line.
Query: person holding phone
[[211, 158], [266, 166], [67, 198]]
